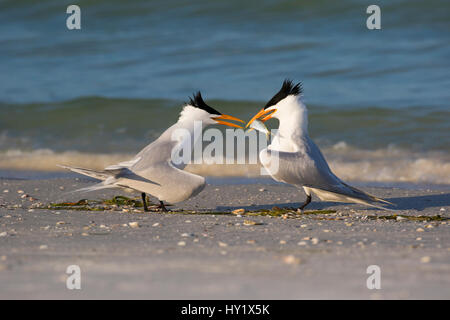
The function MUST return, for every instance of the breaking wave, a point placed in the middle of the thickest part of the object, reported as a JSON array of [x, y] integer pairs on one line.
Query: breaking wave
[[349, 163]]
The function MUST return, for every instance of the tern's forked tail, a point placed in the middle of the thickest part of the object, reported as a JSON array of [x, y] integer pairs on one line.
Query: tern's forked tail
[[100, 175], [347, 193], [371, 199]]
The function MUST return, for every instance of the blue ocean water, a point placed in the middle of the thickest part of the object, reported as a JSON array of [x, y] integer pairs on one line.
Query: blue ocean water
[[233, 50], [120, 80]]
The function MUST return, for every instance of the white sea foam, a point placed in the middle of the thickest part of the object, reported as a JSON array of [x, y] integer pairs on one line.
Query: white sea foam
[[352, 164]]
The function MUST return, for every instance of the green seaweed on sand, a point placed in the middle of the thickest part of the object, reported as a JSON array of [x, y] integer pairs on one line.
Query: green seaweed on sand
[[81, 205], [188, 212], [123, 201], [81, 202], [278, 212], [95, 205], [410, 218], [63, 206], [100, 205]]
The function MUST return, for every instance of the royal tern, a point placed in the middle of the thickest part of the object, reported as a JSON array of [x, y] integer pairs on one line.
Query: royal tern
[[152, 170], [299, 160]]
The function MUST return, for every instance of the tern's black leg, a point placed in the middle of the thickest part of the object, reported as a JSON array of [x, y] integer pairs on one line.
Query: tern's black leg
[[144, 201], [162, 206], [307, 201]]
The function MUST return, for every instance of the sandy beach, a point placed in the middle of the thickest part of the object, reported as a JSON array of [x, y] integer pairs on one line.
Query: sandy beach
[[208, 252], [138, 90]]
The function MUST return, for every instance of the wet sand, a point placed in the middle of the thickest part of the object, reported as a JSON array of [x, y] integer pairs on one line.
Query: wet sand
[[131, 254]]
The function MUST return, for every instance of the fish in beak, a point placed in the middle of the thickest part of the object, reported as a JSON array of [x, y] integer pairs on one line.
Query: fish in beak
[[219, 119], [258, 125]]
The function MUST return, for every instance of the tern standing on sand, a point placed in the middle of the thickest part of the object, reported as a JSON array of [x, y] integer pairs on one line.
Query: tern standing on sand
[[300, 162], [152, 170]]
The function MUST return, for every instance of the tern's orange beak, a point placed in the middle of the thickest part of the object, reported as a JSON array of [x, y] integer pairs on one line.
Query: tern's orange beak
[[219, 119], [263, 115]]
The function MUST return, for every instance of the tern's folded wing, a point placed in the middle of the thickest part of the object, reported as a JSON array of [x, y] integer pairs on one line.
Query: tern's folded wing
[[299, 169], [167, 183]]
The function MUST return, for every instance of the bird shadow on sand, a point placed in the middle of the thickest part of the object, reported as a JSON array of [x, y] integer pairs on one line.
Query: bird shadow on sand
[[421, 203], [418, 203]]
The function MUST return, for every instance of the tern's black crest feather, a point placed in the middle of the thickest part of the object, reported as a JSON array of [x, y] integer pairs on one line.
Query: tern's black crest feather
[[197, 101], [288, 88]]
